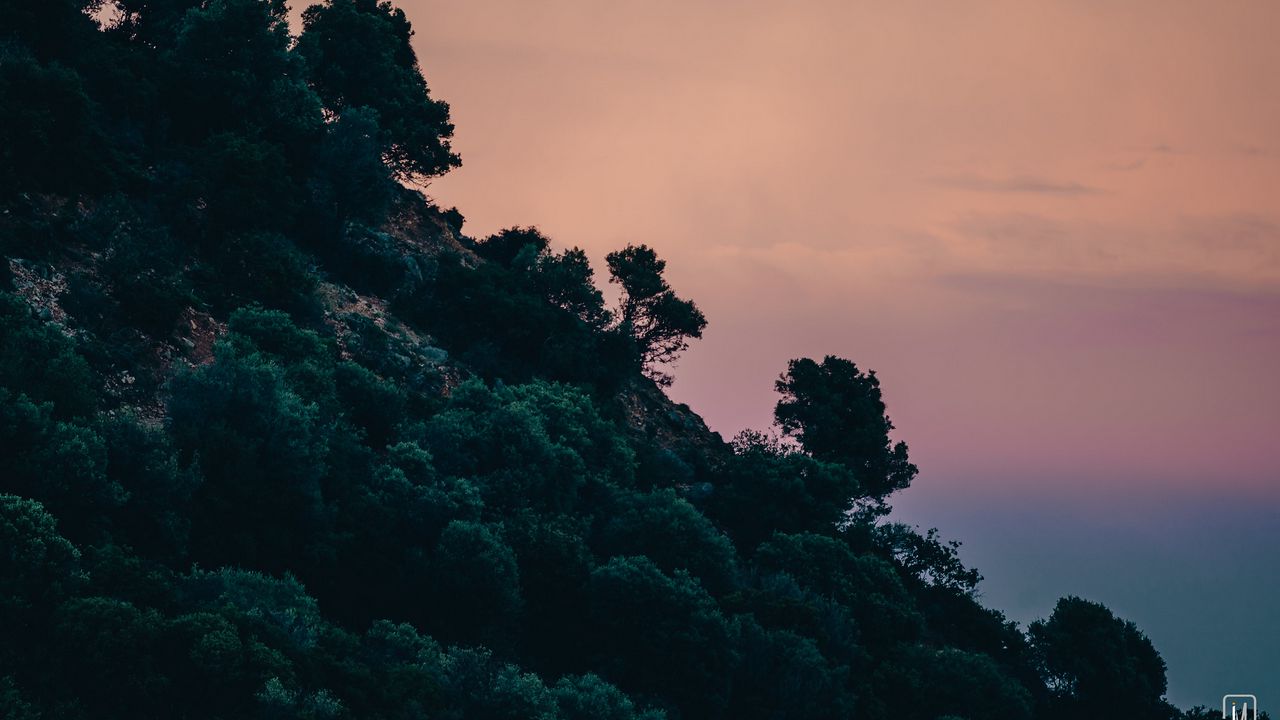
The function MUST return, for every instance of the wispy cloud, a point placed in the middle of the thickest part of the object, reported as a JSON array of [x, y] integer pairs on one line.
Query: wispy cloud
[[1127, 166], [1015, 184]]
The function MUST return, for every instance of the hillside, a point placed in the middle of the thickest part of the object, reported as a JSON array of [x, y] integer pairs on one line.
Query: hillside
[[279, 439]]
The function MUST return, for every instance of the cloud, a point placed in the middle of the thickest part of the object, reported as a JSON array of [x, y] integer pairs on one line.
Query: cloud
[[1016, 184], [1128, 166], [1239, 251]]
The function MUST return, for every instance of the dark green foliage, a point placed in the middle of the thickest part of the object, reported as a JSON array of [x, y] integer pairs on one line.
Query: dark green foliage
[[359, 58], [159, 492], [108, 653], [262, 267], [767, 487], [38, 567], [587, 697], [372, 405], [12, 704], [349, 181], [153, 22], [554, 564], [52, 29], [146, 274], [674, 535], [487, 688], [40, 362], [232, 72], [262, 451], [929, 559], [837, 414], [246, 186], [49, 138], [533, 318], [660, 636], [61, 464], [865, 584], [782, 674], [539, 445], [564, 281], [1092, 662], [475, 586], [951, 683]]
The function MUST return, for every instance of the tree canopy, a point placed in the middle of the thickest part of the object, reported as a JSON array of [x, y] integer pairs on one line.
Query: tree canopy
[[837, 414], [651, 314]]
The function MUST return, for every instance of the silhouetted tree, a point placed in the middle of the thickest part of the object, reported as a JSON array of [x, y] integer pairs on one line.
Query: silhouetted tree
[[660, 636], [651, 314], [1098, 665], [837, 414], [563, 280], [766, 487], [359, 56], [230, 71], [950, 683]]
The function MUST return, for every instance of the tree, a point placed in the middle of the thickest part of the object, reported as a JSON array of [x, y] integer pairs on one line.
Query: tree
[[231, 71], [61, 464], [837, 414], [934, 562], [659, 322], [1097, 665], [38, 567], [783, 675], [60, 30], [486, 688], [949, 683], [673, 534], [359, 56], [866, 584], [564, 281], [767, 487], [106, 651], [12, 705], [660, 636], [152, 23], [38, 361], [262, 450], [588, 697], [476, 585], [348, 179], [50, 140], [539, 445]]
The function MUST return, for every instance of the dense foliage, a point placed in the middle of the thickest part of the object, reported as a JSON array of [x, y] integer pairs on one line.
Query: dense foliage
[[278, 440]]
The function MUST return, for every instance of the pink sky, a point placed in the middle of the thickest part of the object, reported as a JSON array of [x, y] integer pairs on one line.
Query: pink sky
[[1053, 230]]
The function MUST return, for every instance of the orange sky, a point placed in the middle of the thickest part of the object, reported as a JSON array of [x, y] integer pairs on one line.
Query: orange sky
[[1052, 228]]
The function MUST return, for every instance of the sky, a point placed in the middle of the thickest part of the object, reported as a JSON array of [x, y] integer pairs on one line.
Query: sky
[[1052, 228]]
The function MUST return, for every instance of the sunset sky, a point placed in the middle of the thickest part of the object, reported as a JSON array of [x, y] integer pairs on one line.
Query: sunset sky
[[1053, 229]]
